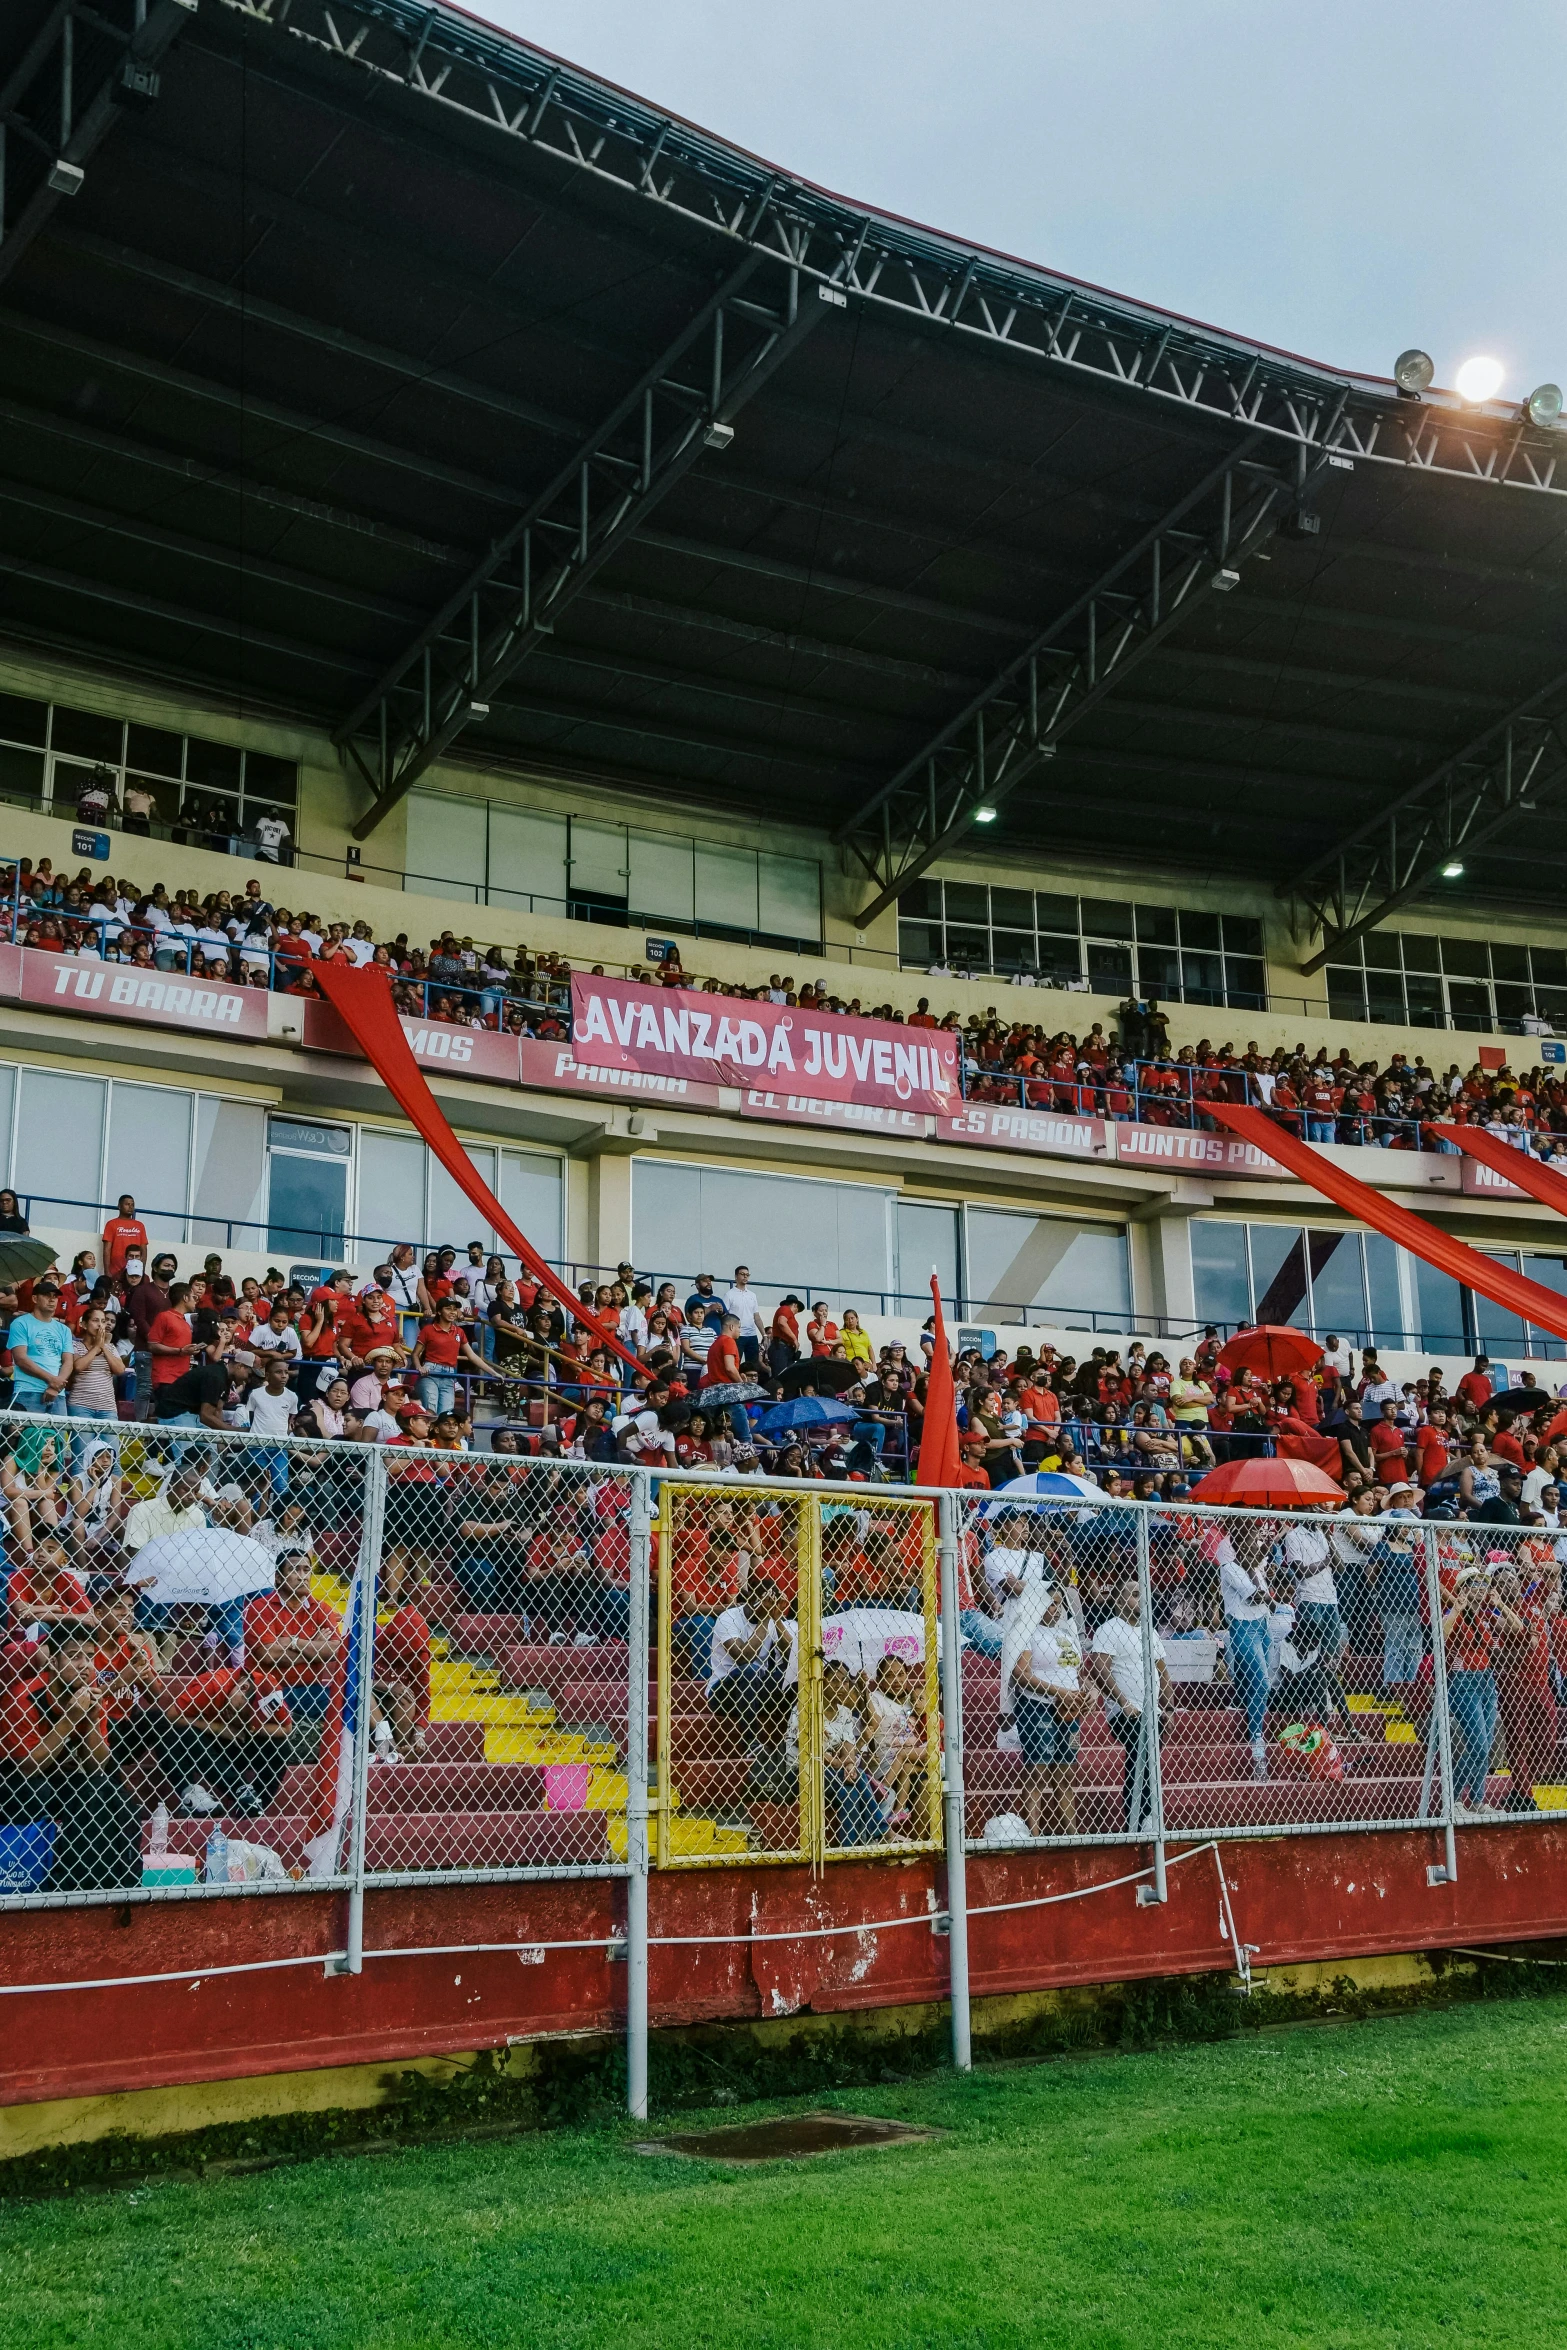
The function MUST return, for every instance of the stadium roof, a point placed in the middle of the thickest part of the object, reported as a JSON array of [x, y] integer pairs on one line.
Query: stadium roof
[[362, 362]]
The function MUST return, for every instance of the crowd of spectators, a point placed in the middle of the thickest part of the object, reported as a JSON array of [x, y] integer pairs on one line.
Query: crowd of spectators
[[244, 938]]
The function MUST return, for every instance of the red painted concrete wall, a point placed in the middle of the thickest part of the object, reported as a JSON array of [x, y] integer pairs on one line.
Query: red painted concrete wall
[[1297, 1898]]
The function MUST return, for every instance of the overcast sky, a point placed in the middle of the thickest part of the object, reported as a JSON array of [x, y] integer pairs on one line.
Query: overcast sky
[[1342, 179]]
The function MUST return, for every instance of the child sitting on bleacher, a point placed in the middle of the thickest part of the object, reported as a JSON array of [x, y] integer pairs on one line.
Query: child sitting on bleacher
[[896, 1749]]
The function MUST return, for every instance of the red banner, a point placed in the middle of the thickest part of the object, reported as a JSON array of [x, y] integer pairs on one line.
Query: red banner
[[1184, 1146], [1051, 1132], [556, 1069], [724, 1040], [435, 1044], [122, 991], [798, 1109], [1492, 1167], [1482, 1182]]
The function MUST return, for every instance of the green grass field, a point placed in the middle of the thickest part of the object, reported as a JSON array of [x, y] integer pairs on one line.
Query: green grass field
[[1348, 2187]]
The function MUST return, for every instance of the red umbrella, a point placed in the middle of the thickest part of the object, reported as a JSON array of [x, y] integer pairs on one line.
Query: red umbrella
[[1278, 1484], [1276, 1349]]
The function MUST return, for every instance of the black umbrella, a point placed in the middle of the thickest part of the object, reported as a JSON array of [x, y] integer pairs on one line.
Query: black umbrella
[[825, 1373], [732, 1391], [20, 1255]]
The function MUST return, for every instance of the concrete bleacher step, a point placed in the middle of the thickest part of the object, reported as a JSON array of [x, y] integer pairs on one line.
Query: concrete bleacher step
[[446, 1839]]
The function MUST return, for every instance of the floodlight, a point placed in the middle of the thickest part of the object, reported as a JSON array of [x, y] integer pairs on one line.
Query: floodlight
[[1412, 372], [984, 815], [1452, 869], [1479, 379], [1544, 404]]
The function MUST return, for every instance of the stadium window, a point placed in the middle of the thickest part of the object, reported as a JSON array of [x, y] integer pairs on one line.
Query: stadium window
[[1106, 918], [1155, 926], [1200, 932]]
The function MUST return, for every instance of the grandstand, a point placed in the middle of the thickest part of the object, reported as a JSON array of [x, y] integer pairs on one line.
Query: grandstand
[[455, 516]]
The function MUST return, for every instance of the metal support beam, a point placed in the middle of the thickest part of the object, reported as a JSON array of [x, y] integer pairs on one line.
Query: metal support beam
[[1503, 775], [450, 66], [1008, 730], [685, 403], [47, 134]]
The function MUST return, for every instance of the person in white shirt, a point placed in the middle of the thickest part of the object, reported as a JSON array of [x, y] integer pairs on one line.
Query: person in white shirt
[[1376, 1387], [754, 1656], [1308, 1553], [268, 1409], [1013, 1560], [1248, 1605], [743, 1303], [1047, 1710], [272, 836], [177, 1510], [1132, 1709]]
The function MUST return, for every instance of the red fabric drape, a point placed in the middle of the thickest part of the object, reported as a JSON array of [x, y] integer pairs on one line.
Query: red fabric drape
[[939, 1460], [363, 999], [1520, 1167], [1527, 1299]]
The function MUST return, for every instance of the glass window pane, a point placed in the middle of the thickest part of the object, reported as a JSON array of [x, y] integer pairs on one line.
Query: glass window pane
[[1219, 1272], [59, 1144], [148, 747], [1013, 908], [149, 1156], [1200, 931], [1338, 1297], [1158, 971], [22, 721], [1550, 966], [1513, 1006], [1012, 950], [971, 948], [452, 1220], [1245, 981], [1060, 959], [919, 944], [1440, 1303], [1425, 1000], [1156, 926], [1242, 934], [272, 779], [927, 1242], [391, 1190], [1278, 1272], [1106, 918], [1381, 951], [967, 901], [88, 736], [307, 1203], [1382, 1290], [21, 774], [229, 1174], [1055, 913], [1421, 952], [1045, 1261], [532, 1193], [211, 766], [1384, 996], [1497, 1332], [1509, 962], [1202, 978], [1465, 958], [1551, 1273], [1346, 994], [1109, 969], [922, 899], [1469, 1003]]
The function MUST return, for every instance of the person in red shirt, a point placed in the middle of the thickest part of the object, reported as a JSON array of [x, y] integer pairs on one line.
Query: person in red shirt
[[332, 1301], [1525, 1701], [1503, 1442], [54, 1762], [1433, 1449], [1387, 1446], [722, 1367], [44, 1591], [821, 1330], [440, 1352], [290, 1633], [225, 1740], [1474, 1389], [169, 1338]]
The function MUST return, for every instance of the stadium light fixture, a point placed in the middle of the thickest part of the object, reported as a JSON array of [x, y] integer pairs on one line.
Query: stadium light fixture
[[984, 815], [1479, 379], [1452, 869], [1412, 372], [1544, 405]]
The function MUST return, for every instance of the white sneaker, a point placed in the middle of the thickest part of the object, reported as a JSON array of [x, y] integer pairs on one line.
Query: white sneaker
[[196, 1800], [584, 1640], [386, 1754]]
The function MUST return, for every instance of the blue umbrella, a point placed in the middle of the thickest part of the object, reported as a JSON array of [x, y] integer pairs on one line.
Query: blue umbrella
[[1041, 1485], [804, 1411]]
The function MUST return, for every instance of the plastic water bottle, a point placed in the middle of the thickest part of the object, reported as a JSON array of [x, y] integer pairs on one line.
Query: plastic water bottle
[[216, 1866], [158, 1834]]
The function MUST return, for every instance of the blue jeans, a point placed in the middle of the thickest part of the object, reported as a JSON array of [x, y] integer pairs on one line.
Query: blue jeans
[[437, 1390], [1472, 1700], [28, 1396], [1319, 1624], [82, 1445], [1403, 1646], [224, 1617], [981, 1632], [1248, 1651], [692, 1640], [1319, 1129], [853, 1810], [274, 1459], [871, 1432]]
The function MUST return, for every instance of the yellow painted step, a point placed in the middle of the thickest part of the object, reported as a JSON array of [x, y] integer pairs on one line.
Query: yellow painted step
[[508, 1743], [1551, 1798], [1401, 1734]]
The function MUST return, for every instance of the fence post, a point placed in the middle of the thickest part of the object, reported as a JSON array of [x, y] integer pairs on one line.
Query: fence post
[[1153, 1761], [368, 1581], [637, 1800], [1441, 1714], [954, 1820]]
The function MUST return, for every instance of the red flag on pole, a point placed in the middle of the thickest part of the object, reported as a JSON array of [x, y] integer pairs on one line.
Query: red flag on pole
[[939, 1461]]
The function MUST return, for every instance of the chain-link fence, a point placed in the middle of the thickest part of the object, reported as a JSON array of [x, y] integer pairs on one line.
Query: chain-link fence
[[1286, 1660]]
